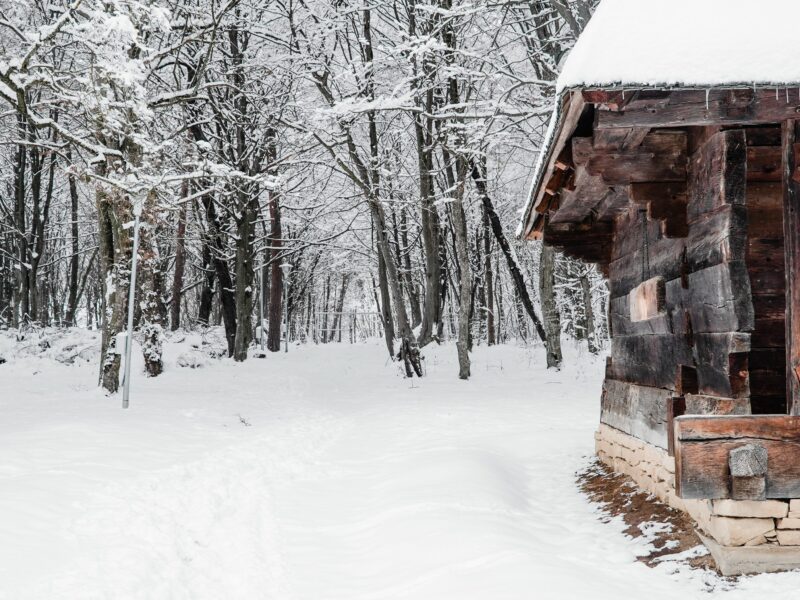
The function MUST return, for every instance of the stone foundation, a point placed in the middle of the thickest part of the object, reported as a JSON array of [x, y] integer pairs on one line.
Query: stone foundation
[[769, 528]]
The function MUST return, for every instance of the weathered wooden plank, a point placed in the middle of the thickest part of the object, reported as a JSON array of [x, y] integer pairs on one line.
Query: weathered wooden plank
[[676, 406], [763, 135], [665, 257], [719, 298], [765, 252], [717, 173], [722, 364], [791, 229], [684, 108], [703, 445], [716, 237], [769, 332], [647, 300], [650, 360], [619, 139], [576, 205], [767, 280], [609, 99], [666, 202], [660, 157], [699, 404], [764, 163], [616, 201], [629, 229], [775, 427], [637, 410], [672, 321]]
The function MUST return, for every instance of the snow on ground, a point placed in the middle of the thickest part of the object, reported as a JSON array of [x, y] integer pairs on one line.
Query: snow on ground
[[321, 474]]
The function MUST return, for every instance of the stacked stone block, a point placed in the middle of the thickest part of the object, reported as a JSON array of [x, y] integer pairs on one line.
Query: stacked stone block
[[729, 522]]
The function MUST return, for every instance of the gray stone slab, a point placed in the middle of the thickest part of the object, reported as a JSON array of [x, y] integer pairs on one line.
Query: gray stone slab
[[745, 560]]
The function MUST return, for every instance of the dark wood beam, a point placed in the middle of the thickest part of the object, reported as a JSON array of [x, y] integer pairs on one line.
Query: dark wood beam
[[791, 234], [661, 156], [682, 108], [703, 445]]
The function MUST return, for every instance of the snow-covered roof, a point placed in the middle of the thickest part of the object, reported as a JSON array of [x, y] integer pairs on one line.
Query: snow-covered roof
[[663, 44], [686, 43]]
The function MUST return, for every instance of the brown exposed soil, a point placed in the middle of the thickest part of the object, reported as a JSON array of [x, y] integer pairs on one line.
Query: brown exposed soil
[[619, 496]]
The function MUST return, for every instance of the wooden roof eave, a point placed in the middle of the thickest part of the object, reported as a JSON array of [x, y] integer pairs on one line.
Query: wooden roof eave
[[568, 113]]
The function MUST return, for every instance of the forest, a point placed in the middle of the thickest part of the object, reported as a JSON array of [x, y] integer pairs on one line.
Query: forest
[[298, 171]]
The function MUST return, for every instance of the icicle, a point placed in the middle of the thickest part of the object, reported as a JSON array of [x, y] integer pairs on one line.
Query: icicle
[[787, 95], [623, 93], [708, 91], [776, 93]]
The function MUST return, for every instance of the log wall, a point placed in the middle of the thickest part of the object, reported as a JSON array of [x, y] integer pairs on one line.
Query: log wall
[[765, 264], [717, 242]]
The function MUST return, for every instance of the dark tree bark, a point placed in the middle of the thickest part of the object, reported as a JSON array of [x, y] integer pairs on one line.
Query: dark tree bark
[[337, 316], [423, 130], [488, 278], [207, 291], [411, 285], [385, 305], [20, 297], [497, 228], [223, 274], [588, 312], [180, 262], [552, 320], [72, 302], [276, 275]]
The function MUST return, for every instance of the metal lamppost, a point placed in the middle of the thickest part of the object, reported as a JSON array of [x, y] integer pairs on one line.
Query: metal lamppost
[[126, 381], [286, 268]]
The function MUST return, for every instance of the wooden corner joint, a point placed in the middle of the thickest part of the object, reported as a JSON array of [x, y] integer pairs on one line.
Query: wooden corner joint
[[748, 468]]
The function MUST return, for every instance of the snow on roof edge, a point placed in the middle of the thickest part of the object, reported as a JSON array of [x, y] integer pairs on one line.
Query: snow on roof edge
[[685, 43], [538, 171]]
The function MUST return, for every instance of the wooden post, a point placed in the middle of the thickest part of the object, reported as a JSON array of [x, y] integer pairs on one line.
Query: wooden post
[[791, 232]]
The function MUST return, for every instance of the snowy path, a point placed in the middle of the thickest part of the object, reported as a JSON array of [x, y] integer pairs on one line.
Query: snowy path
[[319, 475]]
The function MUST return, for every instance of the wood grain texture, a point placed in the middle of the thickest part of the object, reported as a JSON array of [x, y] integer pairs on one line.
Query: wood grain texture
[[703, 445], [717, 173], [647, 300], [637, 410], [683, 108], [791, 229]]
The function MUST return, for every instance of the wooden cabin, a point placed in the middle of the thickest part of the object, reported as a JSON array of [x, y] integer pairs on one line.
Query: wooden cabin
[[671, 162]]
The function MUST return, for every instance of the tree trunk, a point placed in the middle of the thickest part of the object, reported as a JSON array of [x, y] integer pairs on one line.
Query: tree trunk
[[72, 302], [244, 274], [223, 274], [180, 262], [465, 286], [20, 298], [113, 210], [276, 274], [423, 130], [385, 306], [337, 317], [411, 285], [207, 291], [550, 316], [151, 284], [516, 273], [588, 312], [488, 279]]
